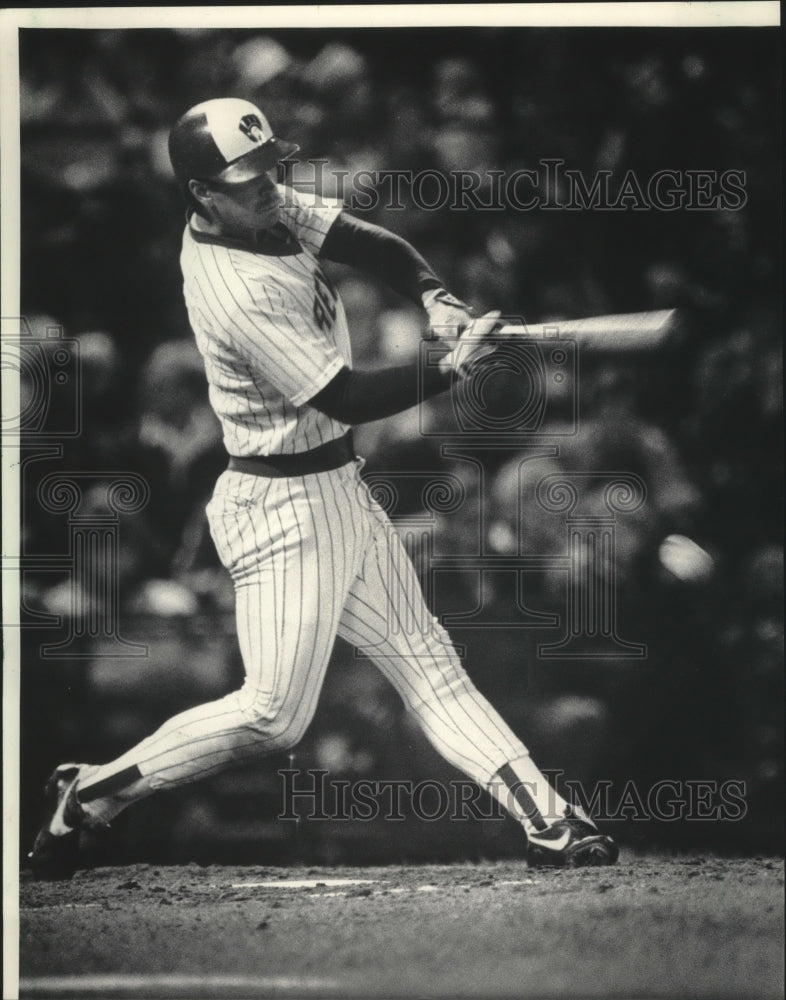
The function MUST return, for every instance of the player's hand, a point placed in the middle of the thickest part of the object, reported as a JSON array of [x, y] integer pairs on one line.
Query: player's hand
[[474, 343], [448, 316]]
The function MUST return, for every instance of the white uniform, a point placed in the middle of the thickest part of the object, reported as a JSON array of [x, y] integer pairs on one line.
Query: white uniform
[[272, 332], [311, 556]]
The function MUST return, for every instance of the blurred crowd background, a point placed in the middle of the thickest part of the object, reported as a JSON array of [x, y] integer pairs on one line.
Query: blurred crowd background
[[699, 421]]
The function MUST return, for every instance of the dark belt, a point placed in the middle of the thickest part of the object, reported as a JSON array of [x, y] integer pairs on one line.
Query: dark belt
[[331, 455]]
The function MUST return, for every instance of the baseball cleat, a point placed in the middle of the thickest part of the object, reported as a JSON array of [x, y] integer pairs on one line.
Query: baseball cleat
[[55, 851], [571, 843]]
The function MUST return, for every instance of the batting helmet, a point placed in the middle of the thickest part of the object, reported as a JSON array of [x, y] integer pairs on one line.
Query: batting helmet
[[227, 140]]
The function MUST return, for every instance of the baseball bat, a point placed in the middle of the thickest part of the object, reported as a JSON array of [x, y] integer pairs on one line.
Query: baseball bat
[[623, 332]]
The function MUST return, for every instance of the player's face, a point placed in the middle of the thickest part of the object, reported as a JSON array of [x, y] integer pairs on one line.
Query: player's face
[[246, 207]]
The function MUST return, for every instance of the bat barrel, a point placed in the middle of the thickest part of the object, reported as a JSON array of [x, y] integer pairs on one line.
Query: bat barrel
[[623, 332]]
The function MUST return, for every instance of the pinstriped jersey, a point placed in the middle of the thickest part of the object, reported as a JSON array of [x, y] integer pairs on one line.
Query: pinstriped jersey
[[271, 329]]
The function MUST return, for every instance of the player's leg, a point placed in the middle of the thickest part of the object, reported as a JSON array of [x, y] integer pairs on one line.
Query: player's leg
[[290, 555], [386, 617]]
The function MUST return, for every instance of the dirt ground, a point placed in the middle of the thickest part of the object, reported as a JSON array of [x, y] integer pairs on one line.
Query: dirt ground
[[685, 926]]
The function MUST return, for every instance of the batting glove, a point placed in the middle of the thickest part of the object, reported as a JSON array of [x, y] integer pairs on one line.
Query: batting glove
[[447, 315], [474, 343]]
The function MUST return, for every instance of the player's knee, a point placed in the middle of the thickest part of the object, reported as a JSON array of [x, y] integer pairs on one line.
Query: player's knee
[[450, 681], [434, 642], [276, 726], [276, 730]]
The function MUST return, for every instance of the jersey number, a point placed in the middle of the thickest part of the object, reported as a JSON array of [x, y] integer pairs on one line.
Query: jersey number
[[324, 301]]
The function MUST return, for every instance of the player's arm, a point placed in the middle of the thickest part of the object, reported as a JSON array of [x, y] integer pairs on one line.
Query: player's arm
[[357, 397], [393, 260]]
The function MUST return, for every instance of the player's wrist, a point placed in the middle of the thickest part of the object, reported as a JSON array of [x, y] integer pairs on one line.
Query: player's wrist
[[475, 342], [442, 296], [429, 297]]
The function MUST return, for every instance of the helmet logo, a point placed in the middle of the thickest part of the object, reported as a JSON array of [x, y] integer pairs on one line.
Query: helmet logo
[[251, 126]]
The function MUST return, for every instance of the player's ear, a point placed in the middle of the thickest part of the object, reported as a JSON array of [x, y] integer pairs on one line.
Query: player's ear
[[200, 191]]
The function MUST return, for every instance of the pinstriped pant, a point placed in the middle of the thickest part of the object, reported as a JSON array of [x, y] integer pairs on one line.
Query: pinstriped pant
[[312, 557]]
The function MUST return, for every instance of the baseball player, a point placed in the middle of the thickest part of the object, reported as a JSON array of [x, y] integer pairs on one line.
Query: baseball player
[[311, 554]]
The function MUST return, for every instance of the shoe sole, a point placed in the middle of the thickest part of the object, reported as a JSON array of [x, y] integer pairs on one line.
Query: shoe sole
[[591, 852], [594, 852]]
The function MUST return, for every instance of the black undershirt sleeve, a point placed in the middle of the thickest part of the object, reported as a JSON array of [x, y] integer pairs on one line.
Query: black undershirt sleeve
[[380, 253], [357, 397]]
